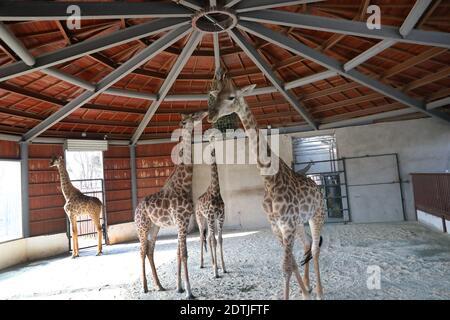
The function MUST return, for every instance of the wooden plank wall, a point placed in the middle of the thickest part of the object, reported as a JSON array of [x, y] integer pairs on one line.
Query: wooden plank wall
[[9, 150], [153, 166], [117, 173], [47, 214]]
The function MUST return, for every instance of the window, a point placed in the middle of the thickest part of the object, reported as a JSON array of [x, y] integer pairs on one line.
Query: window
[[10, 201], [85, 169]]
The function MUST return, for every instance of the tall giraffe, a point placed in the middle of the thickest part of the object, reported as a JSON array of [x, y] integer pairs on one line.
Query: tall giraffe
[[172, 205], [78, 204], [290, 199], [211, 209]]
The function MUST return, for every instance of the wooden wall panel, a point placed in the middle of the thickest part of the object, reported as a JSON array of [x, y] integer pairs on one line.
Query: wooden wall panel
[[153, 166], [9, 150], [46, 200], [117, 173]]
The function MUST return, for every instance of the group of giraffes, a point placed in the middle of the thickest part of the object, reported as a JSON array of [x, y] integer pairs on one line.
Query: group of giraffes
[[290, 200]]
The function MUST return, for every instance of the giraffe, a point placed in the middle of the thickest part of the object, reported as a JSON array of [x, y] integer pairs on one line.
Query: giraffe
[[209, 209], [290, 199], [172, 205], [78, 204]]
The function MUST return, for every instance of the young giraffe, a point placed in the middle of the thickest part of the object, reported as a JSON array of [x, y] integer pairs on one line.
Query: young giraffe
[[78, 204], [290, 199], [172, 205], [210, 208]]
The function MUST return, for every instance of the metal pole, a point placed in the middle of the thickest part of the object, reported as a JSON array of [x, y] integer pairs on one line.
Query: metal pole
[[133, 176], [401, 187], [25, 196], [346, 190]]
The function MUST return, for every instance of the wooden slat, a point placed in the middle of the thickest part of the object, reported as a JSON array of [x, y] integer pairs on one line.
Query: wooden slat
[[444, 73], [409, 63]]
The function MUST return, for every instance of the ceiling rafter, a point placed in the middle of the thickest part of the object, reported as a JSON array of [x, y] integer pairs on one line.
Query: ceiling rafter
[[109, 80], [332, 64]]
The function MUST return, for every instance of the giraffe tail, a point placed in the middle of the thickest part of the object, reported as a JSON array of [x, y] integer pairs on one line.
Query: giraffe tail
[[308, 255], [204, 240]]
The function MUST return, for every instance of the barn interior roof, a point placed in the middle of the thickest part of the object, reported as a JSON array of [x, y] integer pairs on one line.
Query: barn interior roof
[[131, 69]]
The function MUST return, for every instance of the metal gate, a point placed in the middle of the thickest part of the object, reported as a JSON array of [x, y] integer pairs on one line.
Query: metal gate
[[330, 176], [87, 233], [369, 183]]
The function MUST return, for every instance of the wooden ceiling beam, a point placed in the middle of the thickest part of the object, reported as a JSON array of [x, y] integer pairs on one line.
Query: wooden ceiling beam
[[441, 74]]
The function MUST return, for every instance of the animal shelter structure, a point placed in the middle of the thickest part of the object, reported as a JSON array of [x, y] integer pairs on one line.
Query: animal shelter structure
[[359, 92]]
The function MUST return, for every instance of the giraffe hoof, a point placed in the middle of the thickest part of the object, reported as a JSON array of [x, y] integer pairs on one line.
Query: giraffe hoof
[[145, 290], [202, 267], [161, 288], [216, 276], [75, 256], [190, 297], [180, 290], [99, 253]]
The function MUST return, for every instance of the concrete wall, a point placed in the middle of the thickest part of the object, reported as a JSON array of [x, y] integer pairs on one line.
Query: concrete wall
[[34, 248], [432, 221], [422, 145]]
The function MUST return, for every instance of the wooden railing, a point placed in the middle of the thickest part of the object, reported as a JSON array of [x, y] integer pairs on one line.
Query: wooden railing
[[432, 193]]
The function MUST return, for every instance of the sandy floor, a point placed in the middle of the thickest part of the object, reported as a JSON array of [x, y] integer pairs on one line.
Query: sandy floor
[[414, 264]]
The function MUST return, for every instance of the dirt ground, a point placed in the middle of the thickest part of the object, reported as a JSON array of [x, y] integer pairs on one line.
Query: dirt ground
[[414, 263]]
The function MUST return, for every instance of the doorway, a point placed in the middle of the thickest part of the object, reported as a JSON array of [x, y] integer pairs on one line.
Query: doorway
[[85, 169]]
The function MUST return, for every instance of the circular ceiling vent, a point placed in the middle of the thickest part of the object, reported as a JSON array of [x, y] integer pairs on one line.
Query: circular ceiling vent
[[214, 20]]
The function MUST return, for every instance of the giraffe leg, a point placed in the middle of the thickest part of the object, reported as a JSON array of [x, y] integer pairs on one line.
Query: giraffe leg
[[150, 251], [307, 252], [201, 228], [183, 253], [316, 224], [73, 222], [213, 245], [143, 249], [277, 232], [179, 286], [289, 264], [98, 226], [220, 239]]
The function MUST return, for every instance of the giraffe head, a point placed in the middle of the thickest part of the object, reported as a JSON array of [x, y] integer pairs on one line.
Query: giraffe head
[[189, 120], [226, 99], [56, 161]]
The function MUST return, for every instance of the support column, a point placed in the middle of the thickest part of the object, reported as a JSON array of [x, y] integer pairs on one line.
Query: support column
[[25, 195], [133, 176]]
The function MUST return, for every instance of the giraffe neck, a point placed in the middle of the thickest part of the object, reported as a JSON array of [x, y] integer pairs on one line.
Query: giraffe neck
[[181, 177], [215, 185], [66, 185], [251, 129]]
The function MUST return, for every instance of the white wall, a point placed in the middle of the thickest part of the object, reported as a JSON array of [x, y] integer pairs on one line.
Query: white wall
[[422, 145], [432, 221], [34, 248]]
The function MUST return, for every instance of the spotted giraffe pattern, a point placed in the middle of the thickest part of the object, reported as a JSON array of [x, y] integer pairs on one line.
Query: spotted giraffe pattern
[[78, 204], [210, 210], [172, 205], [290, 199]]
